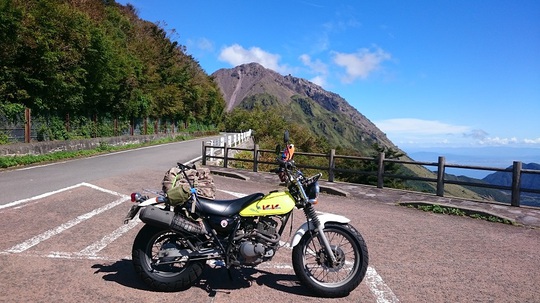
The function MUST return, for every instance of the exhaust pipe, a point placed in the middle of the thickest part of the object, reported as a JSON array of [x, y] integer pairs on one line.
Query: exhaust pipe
[[167, 219]]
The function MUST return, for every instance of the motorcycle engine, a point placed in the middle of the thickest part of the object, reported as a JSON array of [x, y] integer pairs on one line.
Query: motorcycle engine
[[257, 242]]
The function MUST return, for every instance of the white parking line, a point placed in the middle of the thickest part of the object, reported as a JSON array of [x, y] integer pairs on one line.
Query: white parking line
[[18, 202], [52, 232], [96, 247], [382, 292]]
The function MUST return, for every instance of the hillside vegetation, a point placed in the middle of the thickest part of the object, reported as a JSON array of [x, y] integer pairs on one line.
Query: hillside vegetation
[[91, 60], [324, 114]]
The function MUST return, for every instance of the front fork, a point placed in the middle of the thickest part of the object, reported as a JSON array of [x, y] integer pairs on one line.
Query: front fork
[[310, 214]]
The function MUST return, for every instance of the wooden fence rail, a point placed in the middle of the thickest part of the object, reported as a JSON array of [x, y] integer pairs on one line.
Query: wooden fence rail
[[222, 151]]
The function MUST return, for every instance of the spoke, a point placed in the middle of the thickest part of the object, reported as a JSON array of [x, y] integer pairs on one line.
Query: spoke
[[319, 267]]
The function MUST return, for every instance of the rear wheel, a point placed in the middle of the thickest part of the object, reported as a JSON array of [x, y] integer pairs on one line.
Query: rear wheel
[[317, 272], [165, 273]]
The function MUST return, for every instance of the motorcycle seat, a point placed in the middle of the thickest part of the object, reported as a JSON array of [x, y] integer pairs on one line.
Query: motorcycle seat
[[227, 207]]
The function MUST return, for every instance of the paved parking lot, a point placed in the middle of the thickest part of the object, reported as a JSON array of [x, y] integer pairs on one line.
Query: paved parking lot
[[69, 245]]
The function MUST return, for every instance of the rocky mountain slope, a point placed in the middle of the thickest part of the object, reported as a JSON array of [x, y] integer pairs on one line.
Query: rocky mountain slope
[[335, 116], [326, 113]]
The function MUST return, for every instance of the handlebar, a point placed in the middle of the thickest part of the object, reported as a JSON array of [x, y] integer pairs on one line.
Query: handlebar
[[314, 178], [185, 167]]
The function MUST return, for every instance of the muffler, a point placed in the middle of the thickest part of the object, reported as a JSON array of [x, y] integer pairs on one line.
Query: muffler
[[167, 219]]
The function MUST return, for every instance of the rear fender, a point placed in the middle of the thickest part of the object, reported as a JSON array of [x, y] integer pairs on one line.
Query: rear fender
[[152, 201], [156, 201], [323, 218]]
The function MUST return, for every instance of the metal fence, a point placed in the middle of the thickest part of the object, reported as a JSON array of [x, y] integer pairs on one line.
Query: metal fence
[[27, 127]]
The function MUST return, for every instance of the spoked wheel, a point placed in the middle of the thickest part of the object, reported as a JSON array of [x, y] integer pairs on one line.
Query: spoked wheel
[[158, 271], [317, 271]]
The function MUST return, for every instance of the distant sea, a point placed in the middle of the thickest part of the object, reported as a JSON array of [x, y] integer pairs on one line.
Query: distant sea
[[499, 157]]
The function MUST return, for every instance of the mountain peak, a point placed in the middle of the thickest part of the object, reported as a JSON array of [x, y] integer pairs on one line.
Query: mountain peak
[[247, 80]]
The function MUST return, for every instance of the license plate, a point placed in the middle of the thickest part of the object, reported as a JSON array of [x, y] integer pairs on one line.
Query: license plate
[[131, 213]]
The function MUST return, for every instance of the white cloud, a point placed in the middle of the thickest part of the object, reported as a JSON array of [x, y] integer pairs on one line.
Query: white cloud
[[420, 127], [237, 55], [319, 80], [498, 141], [432, 133], [360, 64], [316, 67], [204, 44], [531, 141]]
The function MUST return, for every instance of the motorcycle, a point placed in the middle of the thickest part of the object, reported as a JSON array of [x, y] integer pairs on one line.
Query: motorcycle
[[329, 256]]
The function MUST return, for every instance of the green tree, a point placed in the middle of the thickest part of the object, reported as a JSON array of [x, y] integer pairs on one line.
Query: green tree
[[97, 58]]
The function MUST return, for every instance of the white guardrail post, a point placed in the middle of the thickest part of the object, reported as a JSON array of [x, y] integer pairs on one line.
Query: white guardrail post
[[214, 147]]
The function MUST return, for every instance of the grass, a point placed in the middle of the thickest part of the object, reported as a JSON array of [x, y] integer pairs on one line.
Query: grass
[[447, 210], [14, 161]]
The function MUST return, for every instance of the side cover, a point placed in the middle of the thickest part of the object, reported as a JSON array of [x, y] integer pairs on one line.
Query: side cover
[[275, 203]]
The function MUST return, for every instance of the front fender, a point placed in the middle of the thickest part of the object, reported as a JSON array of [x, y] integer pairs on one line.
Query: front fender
[[323, 218]]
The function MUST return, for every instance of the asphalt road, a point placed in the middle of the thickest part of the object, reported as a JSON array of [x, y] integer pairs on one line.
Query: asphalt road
[[31, 181], [64, 241]]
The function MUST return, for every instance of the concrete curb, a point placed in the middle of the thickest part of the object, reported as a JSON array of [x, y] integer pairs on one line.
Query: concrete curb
[[469, 211], [333, 191], [230, 174]]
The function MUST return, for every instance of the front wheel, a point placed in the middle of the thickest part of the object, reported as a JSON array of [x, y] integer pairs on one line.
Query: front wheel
[[165, 273], [324, 277]]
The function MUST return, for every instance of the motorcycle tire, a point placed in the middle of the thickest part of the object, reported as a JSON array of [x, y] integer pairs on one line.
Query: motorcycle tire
[[165, 277], [314, 269]]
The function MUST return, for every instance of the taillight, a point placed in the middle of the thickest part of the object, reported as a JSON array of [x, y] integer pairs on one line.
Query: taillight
[[135, 197]]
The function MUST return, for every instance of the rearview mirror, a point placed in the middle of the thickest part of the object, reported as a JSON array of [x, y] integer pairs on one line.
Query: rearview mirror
[[278, 149], [286, 137]]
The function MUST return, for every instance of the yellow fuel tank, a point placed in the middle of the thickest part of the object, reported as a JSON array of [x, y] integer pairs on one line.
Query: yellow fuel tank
[[275, 203]]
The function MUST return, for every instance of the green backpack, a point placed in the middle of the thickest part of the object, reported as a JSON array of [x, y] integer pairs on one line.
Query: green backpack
[[177, 187]]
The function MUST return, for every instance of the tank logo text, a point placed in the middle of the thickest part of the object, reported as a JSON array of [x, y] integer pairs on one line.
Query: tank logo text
[[271, 206]]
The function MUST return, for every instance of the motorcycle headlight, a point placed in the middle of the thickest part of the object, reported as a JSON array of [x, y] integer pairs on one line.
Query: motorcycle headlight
[[312, 192]]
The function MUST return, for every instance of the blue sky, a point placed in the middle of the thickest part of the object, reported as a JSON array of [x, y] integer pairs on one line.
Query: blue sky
[[427, 73]]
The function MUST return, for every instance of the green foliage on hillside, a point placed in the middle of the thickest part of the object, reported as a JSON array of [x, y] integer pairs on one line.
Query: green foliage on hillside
[[269, 118], [331, 130], [268, 125], [371, 168], [335, 127], [99, 59]]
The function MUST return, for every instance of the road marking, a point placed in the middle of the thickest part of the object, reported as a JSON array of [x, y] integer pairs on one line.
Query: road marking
[[232, 193], [382, 292], [93, 249], [18, 202], [22, 201], [109, 154], [52, 232]]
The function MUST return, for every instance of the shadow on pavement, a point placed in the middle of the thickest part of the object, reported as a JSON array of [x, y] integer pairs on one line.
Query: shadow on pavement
[[121, 272], [212, 281], [216, 280]]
